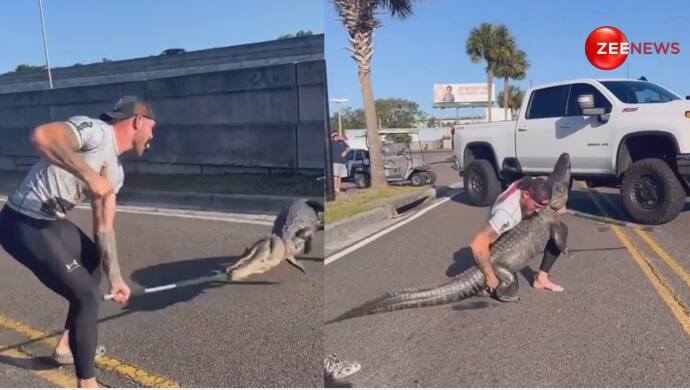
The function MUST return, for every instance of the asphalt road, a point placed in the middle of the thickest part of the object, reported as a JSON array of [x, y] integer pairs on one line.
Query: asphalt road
[[622, 320], [213, 335]]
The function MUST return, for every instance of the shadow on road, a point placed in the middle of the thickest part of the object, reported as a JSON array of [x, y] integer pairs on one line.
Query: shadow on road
[[462, 260], [473, 305], [40, 363], [179, 271], [461, 197], [157, 275], [529, 274], [330, 382], [579, 200]]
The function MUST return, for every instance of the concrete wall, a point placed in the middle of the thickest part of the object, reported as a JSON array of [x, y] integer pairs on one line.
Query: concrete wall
[[284, 51], [260, 119]]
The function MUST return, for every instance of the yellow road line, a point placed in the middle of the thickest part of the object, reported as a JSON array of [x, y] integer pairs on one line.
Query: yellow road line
[[666, 293], [672, 263], [53, 375], [665, 257], [107, 363]]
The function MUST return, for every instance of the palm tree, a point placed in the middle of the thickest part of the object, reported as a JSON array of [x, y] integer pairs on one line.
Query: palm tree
[[512, 65], [489, 43], [514, 101], [361, 19]]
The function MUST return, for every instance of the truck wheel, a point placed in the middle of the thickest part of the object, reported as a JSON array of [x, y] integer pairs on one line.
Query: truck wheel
[[362, 180], [430, 178], [481, 183], [417, 179], [651, 192]]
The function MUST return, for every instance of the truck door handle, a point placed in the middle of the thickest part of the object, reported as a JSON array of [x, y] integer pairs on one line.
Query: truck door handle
[[564, 127], [523, 128]]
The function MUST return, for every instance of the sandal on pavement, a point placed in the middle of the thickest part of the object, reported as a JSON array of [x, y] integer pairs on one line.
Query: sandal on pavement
[[339, 369], [64, 359]]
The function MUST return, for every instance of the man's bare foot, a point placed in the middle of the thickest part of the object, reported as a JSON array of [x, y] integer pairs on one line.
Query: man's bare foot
[[90, 382], [547, 285], [62, 347]]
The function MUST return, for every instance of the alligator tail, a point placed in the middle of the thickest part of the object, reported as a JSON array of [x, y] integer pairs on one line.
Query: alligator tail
[[462, 286]]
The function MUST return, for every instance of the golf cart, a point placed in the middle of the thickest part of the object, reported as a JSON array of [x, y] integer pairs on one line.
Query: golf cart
[[399, 163]]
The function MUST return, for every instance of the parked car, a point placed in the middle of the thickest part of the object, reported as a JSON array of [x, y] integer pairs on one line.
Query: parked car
[[172, 52], [398, 162], [358, 167], [630, 134]]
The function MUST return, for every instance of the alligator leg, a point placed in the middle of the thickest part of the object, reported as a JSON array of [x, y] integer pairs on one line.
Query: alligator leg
[[291, 259], [507, 290], [307, 245]]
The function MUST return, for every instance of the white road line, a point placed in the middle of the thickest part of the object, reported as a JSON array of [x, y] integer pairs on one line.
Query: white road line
[[181, 213], [385, 231]]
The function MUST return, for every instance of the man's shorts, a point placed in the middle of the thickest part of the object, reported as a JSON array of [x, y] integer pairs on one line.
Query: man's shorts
[[339, 170]]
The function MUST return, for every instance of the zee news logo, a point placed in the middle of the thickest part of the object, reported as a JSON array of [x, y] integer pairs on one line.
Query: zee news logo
[[607, 48]]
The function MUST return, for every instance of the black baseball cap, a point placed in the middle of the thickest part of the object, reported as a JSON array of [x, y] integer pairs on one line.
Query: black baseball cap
[[129, 106]]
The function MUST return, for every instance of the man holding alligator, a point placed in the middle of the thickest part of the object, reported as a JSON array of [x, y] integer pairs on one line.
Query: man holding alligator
[[523, 199]]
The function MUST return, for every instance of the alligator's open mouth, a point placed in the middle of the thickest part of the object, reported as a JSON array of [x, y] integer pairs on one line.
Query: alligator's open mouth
[[263, 256], [255, 260]]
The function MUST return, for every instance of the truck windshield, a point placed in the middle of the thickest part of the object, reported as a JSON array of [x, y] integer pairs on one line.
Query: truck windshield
[[636, 92]]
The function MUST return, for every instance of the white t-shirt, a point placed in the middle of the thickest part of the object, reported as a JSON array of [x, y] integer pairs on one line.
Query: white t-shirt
[[49, 192], [505, 214]]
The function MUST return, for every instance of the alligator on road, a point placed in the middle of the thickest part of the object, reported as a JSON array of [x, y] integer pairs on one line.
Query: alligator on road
[[291, 235], [509, 254]]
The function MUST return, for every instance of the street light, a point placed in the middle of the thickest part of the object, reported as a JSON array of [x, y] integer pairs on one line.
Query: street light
[[340, 121], [45, 43]]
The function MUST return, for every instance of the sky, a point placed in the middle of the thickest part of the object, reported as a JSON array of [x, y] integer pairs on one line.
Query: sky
[[429, 47], [81, 31]]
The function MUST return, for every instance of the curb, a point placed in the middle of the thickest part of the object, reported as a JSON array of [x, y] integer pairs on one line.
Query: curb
[[342, 230], [200, 201]]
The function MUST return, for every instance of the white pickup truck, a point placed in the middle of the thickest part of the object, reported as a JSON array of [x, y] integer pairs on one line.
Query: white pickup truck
[[627, 133]]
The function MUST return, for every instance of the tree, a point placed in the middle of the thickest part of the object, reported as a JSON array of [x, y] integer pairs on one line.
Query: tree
[[512, 65], [433, 122], [299, 34], [392, 113], [515, 96], [350, 118], [489, 43], [395, 113], [23, 68], [360, 19]]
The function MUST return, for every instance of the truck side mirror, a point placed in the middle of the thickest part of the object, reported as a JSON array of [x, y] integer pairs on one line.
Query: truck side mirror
[[687, 97], [586, 103]]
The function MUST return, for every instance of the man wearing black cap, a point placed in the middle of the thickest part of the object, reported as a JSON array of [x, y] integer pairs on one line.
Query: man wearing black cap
[[80, 157], [523, 199]]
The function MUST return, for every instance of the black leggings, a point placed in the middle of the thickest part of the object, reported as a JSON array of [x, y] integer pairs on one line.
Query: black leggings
[[66, 261], [551, 253]]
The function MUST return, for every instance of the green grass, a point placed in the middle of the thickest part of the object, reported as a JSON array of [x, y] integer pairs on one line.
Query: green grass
[[348, 205]]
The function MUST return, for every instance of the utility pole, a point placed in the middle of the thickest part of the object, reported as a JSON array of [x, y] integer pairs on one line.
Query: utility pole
[[45, 43]]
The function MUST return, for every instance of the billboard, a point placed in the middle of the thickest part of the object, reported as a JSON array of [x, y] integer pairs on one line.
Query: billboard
[[454, 95]]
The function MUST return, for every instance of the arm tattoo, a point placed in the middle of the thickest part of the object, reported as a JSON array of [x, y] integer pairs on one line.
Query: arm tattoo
[[483, 260], [59, 150], [70, 161], [105, 241], [483, 255]]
